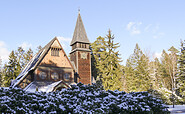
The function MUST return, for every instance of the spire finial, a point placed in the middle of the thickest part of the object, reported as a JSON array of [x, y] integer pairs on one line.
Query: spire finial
[[78, 9]]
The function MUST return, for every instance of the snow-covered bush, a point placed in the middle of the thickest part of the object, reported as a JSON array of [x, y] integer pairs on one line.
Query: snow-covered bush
[[79, 99], [166, 96]]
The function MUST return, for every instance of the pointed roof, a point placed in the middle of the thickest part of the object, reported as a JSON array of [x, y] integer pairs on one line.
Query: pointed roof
[[34, 62], [79, 34]]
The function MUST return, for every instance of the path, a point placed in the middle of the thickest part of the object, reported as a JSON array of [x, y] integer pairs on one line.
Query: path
[[178, 109]]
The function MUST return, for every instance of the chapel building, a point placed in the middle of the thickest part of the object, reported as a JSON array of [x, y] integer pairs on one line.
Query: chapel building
[[51, 69]]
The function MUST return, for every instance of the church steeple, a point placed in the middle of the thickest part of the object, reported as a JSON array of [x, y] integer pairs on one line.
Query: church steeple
[[80, 53], [79, 34]]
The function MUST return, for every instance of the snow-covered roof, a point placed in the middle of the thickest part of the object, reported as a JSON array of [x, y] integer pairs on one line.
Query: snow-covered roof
[[34, 62], [44, 86]]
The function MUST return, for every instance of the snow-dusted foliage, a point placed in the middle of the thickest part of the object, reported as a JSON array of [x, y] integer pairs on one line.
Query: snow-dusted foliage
[[166, 96], [79, 99]]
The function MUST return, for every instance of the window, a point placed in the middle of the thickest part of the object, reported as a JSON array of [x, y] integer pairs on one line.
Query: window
[[54, 76], [83, 45], [55, 51], [87, 46], [42, 75], [66, 76]]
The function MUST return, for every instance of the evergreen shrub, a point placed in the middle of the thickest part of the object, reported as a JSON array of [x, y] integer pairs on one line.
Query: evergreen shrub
[[79, 99]]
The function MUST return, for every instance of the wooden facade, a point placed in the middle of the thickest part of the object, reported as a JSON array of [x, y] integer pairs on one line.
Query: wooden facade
[[48, 66], [51, 66]]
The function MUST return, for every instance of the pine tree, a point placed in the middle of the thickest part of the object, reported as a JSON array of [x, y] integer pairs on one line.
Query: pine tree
[[107, 62], [130, 76], [158, 74], [17, 61], [112, 79], [165, 70], [181, 76], [11, 70], [27, 56], [19, 53], [98, 56], [137, 71]]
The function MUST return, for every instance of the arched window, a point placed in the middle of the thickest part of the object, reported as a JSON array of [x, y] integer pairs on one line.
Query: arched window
[[66, 76], [42, 75], [55, 76]]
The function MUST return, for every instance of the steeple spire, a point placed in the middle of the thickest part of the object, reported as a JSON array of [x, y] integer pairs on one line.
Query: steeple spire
[[79, 34], [79, 10], [80, 53]]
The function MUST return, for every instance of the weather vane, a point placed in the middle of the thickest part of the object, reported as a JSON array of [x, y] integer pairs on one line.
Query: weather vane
[[78, 9]]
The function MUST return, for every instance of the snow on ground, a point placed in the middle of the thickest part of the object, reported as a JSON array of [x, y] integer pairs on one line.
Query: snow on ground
[[176, 107], [4, 87]]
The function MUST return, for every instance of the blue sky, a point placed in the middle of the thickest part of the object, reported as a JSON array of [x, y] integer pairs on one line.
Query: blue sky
[[153, 24]]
